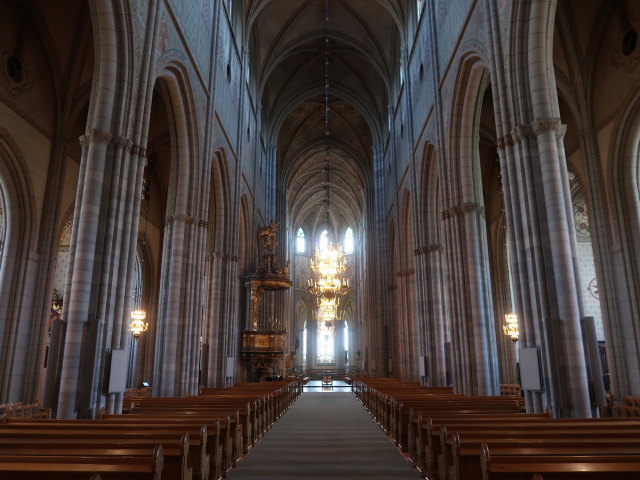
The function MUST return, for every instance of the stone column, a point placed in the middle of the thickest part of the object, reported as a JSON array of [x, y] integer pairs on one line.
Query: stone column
[[543, 264], [283, 300], [99, 259], [378, 308], [565, 331], [214, 327], [178, 333], [79, 308], [433, 322], [470, 300]]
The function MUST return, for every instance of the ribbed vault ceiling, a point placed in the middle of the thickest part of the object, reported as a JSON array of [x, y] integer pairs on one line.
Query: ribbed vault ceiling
[[289, 39]]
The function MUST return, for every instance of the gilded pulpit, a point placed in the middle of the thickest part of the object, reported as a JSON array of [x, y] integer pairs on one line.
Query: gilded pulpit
[[263, 342]]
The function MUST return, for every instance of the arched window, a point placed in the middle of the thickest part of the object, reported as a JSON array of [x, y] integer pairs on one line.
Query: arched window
[[324, 240], [326, 344], [300, 245], [136, 293], [304, 345], [347, 357], [348, 241], [346, 336]]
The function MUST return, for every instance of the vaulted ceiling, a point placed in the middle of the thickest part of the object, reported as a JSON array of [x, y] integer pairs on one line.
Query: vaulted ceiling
[[289, 42]]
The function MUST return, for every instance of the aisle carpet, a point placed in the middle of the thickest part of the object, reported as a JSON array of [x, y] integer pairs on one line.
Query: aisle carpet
[[325, 436]]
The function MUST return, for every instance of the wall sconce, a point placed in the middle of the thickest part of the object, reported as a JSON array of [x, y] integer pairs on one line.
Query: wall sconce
[[510, 327], [138, 325]]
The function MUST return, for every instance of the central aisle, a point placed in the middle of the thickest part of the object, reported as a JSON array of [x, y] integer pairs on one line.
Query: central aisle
[[328, 436]]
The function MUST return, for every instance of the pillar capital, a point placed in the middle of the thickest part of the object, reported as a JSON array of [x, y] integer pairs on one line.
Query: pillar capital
[[543, 125], [95, 136], [461, 209]]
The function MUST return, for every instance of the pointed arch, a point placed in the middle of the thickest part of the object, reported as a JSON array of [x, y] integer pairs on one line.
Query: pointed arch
[[429, 201], [245, 238], [470, 308], [218, 202], [20, 220], [301, 245], [625, 179], [173, 79], [465, 183]]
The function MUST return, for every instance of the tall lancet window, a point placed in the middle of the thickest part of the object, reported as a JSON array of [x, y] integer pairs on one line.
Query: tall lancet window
[[304, 345], [324, 240], [348, 241], [300, 245], [326, 344]]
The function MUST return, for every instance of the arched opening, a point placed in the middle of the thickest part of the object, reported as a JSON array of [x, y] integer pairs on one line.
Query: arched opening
[[496, 233], [474, 355], [16, 194], [348, 241], [301, 246]]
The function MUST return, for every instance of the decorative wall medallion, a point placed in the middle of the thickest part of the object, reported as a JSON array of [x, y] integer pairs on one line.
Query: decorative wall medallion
[[14, 71], [593, 289], [583, 229]]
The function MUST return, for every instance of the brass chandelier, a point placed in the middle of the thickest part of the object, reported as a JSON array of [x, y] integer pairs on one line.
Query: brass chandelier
[[328, 263], [138, 325]]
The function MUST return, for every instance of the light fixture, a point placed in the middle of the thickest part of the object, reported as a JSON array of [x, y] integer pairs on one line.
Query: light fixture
[[327, 314], [138, 325], [510, 327], [328, 263], [327, 309]]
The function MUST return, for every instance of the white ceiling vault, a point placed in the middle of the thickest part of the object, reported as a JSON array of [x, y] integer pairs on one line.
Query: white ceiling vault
[[287, 41]]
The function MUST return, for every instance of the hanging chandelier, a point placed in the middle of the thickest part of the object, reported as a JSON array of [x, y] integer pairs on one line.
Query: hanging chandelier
[[329, 262], [327, 314], [327, 311], [138, 325]]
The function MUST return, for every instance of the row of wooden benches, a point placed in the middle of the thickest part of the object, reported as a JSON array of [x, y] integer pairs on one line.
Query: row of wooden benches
[[510, 389], [455, 437], [199, 437], [23, 410]]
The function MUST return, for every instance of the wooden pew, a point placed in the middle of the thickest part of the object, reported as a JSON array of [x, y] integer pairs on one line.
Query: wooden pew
[[466, 461], [236, 416], [389, 400], [402, 418], [521, 434], [81, 467], [193, 438], [175, 458], [175, 444], [559, 466], [428, 444], [235, 444], [250, 417], [22, 410], [222, 435]]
